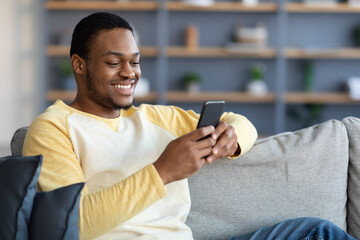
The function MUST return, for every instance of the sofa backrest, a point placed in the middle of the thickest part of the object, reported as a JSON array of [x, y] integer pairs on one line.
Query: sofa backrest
[[353, 205], [289, 175], [17, 141]]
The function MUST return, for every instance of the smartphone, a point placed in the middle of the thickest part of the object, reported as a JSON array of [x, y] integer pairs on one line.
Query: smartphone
[[210, 113]]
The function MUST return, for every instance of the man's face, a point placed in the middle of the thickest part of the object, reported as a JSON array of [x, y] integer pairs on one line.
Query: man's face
[[113, 69]]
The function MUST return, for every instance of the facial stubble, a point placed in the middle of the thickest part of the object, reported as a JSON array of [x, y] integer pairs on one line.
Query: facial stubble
[[97, 97]]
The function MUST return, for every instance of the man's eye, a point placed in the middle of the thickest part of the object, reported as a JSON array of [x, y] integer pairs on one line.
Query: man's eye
[[113, 63], [135, 63]]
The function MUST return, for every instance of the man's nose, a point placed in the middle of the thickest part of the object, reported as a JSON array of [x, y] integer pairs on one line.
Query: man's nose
[[126, 71]]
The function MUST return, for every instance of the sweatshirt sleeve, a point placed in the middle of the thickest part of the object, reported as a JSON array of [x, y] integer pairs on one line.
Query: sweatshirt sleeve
[[180, 122], [245, 131], [100, 211]]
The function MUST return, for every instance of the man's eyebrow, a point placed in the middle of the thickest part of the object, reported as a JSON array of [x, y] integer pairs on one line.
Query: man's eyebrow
[[108, 53]]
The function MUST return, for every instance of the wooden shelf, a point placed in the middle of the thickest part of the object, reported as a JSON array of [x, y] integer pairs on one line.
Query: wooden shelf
[[58, 51], [148, 51], [341, 53], [212, 52], [326, 8], [70, 95], [324, 98], [237, 97], [101, 5], [231, 97], [63, 51], [222, 6], [64, 95]]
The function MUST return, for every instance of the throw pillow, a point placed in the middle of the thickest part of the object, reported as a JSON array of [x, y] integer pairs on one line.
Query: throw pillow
[[18, 178], [55, 214]]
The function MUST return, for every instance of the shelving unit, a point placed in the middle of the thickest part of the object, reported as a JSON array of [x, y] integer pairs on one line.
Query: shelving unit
[[101, 5], [215, 52], [68, 96], [341, 53], [319, 98], [222, 6], [63, 51], [230, 97], [277, 55], [318, 8]]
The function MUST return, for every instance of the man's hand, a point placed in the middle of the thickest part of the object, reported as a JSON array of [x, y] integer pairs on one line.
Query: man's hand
[[185, 155], [226, 142]]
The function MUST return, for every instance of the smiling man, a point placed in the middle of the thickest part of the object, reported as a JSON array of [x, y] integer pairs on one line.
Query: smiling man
[[134, 160], [107, 78]]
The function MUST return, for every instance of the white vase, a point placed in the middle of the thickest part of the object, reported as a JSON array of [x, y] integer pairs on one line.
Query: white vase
[[142, 87], [353, 84], [250, 2], [200, 3], [257, 87], [193, 87]]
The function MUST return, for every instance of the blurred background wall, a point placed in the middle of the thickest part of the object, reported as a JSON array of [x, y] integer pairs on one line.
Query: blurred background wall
[[21, 66], [306, 51]]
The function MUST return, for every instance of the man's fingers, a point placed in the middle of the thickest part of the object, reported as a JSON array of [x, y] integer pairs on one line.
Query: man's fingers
[[226, 144], [220, 128], [205, 143], [200, 133]]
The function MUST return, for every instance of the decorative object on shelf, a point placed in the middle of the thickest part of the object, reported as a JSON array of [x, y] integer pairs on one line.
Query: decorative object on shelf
[[250, 2], [257, 85], [354, 3], [66, 75], [357, 33], [309, 114], [353, 85], [192, 37], [329, 3], [199, 3], [249, 38], [142, 87], [192, 82]]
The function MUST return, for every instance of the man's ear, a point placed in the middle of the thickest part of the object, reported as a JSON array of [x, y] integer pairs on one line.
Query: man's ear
[[78, 64]]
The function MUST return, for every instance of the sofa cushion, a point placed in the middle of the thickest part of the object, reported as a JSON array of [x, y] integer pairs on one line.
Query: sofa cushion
[[18, 178], [55, 214], [289, 175], [353, 218]]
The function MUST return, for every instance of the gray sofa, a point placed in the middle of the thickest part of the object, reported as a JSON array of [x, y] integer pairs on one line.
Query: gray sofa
[[311, 172]]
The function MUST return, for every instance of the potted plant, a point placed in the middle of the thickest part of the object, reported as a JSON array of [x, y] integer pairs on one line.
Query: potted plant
[[257, 86], [66, 75], [192, 82]]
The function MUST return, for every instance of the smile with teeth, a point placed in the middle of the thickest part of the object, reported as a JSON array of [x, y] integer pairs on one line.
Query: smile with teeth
[[122, 86]]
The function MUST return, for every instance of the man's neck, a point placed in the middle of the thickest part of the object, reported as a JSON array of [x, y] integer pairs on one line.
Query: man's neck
[[95, 109]]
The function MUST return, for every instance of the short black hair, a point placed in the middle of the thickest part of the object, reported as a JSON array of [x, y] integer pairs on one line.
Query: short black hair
[[88, 28]]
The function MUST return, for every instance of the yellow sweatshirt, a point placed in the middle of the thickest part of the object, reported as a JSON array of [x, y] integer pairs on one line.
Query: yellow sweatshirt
[[124, 197]]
